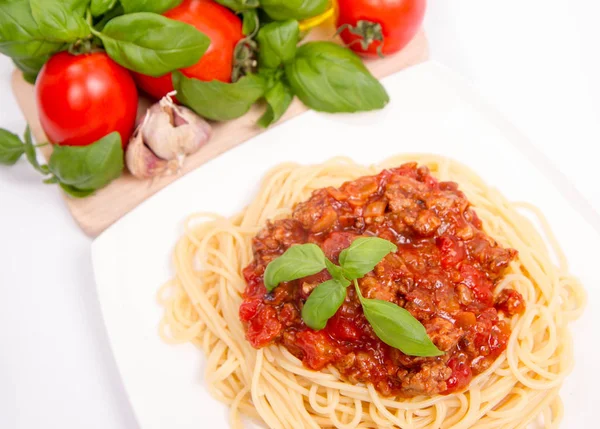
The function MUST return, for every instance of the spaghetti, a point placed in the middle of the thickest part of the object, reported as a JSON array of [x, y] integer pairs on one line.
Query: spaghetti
[[271, 385]]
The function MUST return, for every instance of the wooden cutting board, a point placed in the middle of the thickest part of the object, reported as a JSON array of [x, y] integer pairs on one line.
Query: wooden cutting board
[[96, 213]]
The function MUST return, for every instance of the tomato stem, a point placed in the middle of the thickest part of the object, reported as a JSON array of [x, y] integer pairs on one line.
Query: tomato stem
[[368, 32]]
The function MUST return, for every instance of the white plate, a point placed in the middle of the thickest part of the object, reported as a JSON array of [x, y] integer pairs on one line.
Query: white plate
[[431, 111]]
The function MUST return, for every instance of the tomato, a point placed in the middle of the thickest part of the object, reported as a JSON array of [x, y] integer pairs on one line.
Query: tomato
[[82, 98], [223, 28], [399, 19]]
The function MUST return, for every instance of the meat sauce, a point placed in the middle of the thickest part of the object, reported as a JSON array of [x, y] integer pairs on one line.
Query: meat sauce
[[444, 273]]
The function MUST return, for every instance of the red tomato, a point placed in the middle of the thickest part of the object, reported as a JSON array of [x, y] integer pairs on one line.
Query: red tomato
[[82, 98], [223, 28], [399, 19]]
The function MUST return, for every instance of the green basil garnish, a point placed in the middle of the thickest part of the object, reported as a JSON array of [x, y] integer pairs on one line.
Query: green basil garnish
[[396, 327], [323, 303], [152, 44], [298, 261], [392, 324], [218, 100], [280, 10], [155, 6], [277, 43], [363, 254], [330, 78]]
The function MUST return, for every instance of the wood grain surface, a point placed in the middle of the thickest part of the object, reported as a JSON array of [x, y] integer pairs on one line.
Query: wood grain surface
[[96, 213]]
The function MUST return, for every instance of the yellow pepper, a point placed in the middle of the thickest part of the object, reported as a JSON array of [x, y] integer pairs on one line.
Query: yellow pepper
[[315, 21]]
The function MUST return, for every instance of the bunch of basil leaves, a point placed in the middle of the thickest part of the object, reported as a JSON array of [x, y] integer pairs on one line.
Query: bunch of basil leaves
[[324, 76]]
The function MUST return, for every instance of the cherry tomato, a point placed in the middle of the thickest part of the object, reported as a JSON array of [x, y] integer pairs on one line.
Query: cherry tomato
[[82, 98], [223, 28], [399, 20]]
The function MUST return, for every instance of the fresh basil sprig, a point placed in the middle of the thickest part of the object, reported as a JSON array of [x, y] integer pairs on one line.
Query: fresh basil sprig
[[391, 323], [152, 44], [281, 10], [217, 100], [80, 171], [154, 6], [330, 78]]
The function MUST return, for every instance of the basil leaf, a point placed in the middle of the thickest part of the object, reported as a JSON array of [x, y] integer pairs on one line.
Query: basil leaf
[[239, 5], [323, 303], [31, 66], [337, 273], [31, 154], [278, 99], [396, 327], [363, 254], [155, 6], [100, 7], [277, 43], [250, 21], [330, 78], [298, 261], [74, 192], [11, 148], [280, 10], [88, 168], [152, 44], [20, 36], [57, 21], [218, 100]]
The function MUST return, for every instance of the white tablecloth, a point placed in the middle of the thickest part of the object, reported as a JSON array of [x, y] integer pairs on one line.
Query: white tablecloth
[[537, 60]]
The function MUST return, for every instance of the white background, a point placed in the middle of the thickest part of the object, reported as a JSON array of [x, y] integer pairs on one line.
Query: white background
[[537, 60]]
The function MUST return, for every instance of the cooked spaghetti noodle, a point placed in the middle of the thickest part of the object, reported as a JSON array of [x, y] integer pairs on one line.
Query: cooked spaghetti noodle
[[273, 387]]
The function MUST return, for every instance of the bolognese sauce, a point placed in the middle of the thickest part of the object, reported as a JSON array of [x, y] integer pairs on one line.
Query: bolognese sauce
[[444, 273]]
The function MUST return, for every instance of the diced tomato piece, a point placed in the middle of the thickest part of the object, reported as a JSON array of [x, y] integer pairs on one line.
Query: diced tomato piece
[[249, 308], [510, 302], [264, 327], [255, 286], [343, 329], [318, 348], [460, 377], [452, 249], [475, 281]]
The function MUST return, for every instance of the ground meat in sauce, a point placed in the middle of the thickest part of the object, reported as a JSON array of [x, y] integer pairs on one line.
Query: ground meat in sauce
[[444, 273]]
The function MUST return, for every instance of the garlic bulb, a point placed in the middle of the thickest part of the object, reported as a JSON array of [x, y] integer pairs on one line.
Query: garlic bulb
[[167, 134]]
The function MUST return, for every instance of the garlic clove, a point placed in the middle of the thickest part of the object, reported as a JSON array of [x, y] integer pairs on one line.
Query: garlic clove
[[141, 161]]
